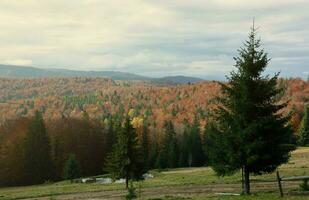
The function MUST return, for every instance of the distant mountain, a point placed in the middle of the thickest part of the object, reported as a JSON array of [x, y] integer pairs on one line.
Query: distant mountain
[[13, 71], [178, 79]]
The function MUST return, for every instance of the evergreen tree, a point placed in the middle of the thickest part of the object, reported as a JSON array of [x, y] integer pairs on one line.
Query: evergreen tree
[[248, 132], [184, 149], [145, 145], [71, 168], [191, 150], [38, 162], [153, 154], [304, 128], [168, 156], [126, 159], [196, 154]]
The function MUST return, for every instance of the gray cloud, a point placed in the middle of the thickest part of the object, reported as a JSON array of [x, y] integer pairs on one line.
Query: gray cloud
[[152, 37]]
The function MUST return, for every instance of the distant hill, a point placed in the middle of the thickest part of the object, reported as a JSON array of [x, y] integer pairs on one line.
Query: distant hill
[[179, 79], [13, 71]]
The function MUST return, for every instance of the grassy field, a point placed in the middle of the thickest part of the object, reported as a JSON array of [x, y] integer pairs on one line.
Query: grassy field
[[187, 183]]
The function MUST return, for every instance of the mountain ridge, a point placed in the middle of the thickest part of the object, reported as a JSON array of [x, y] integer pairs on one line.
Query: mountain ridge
[[15, 71]]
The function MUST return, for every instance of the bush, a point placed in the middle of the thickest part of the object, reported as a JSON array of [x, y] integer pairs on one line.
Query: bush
[[131, 192], [71, 168]]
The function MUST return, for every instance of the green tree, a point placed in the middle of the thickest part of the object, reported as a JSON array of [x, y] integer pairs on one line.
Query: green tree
[[184, 160], [71, 168], [191, 147], [145, 145], [248, 132], [168, 156], [304, 128], [126, 158], [196, 154], [38, 162], [153, 154]]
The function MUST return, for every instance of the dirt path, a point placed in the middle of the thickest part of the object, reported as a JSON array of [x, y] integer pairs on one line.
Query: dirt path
[[187, 190]]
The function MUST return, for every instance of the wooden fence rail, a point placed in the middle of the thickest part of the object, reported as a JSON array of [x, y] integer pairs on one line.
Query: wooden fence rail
[[293, 178]]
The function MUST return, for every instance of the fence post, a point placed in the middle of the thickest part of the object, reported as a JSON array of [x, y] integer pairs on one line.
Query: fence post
[[279, 184]]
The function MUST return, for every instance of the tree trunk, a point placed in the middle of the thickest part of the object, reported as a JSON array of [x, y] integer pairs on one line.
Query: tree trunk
[[246, 189], [127, 182]]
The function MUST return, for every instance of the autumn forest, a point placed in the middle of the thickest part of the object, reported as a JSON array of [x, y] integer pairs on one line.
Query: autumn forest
[[81, 116]]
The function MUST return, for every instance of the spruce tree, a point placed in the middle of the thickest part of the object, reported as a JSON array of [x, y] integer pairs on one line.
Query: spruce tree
[[38, 162], [145, 145], [153, 154], [304, 128], [195, 145], [168, 156], [184, 149], [248, 130], [126, 159], [71, 169]]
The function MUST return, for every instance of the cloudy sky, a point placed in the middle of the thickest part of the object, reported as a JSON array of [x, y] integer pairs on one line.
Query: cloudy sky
[[152, 37]]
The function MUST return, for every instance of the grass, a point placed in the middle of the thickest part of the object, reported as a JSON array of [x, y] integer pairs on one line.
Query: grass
[[185, 179], [259, 196]]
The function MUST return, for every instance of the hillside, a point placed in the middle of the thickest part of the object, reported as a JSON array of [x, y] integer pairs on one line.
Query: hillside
[[12, 71], [101, 97]]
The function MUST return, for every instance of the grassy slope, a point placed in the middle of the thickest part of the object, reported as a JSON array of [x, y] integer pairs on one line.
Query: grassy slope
[[190, 179]]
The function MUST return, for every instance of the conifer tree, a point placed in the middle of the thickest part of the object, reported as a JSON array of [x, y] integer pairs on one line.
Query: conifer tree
[[248, 130], [304, 128], [184, 149], [38, 162], [195, 145], [168, 156], [126, 159], [71, 168], [145, 145]]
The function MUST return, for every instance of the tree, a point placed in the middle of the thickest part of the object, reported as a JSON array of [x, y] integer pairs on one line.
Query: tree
[[145, 145], [168, 156], [184, 160], [248, 131], [191, 148], [126, 158], [304, 128], [88, 140], [71, 168], [38, 162], [153, 154], [195, 145]]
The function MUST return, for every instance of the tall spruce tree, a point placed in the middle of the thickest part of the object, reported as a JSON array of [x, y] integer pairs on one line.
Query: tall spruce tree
[[248, 130], [168, 156], [153, 154], [304, 128], [145, 145], [191, 153], [38, 162], [126, 159], [184, 147], [195, 145]]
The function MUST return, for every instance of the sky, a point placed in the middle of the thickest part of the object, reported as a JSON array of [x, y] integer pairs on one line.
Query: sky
[[153, 37]]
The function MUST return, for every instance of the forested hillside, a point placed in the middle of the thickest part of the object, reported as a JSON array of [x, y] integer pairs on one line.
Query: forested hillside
[[83, 116], [101, 98], [13, 71]]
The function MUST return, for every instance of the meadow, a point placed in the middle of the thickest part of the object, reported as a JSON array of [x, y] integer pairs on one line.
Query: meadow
[[183, 183]]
